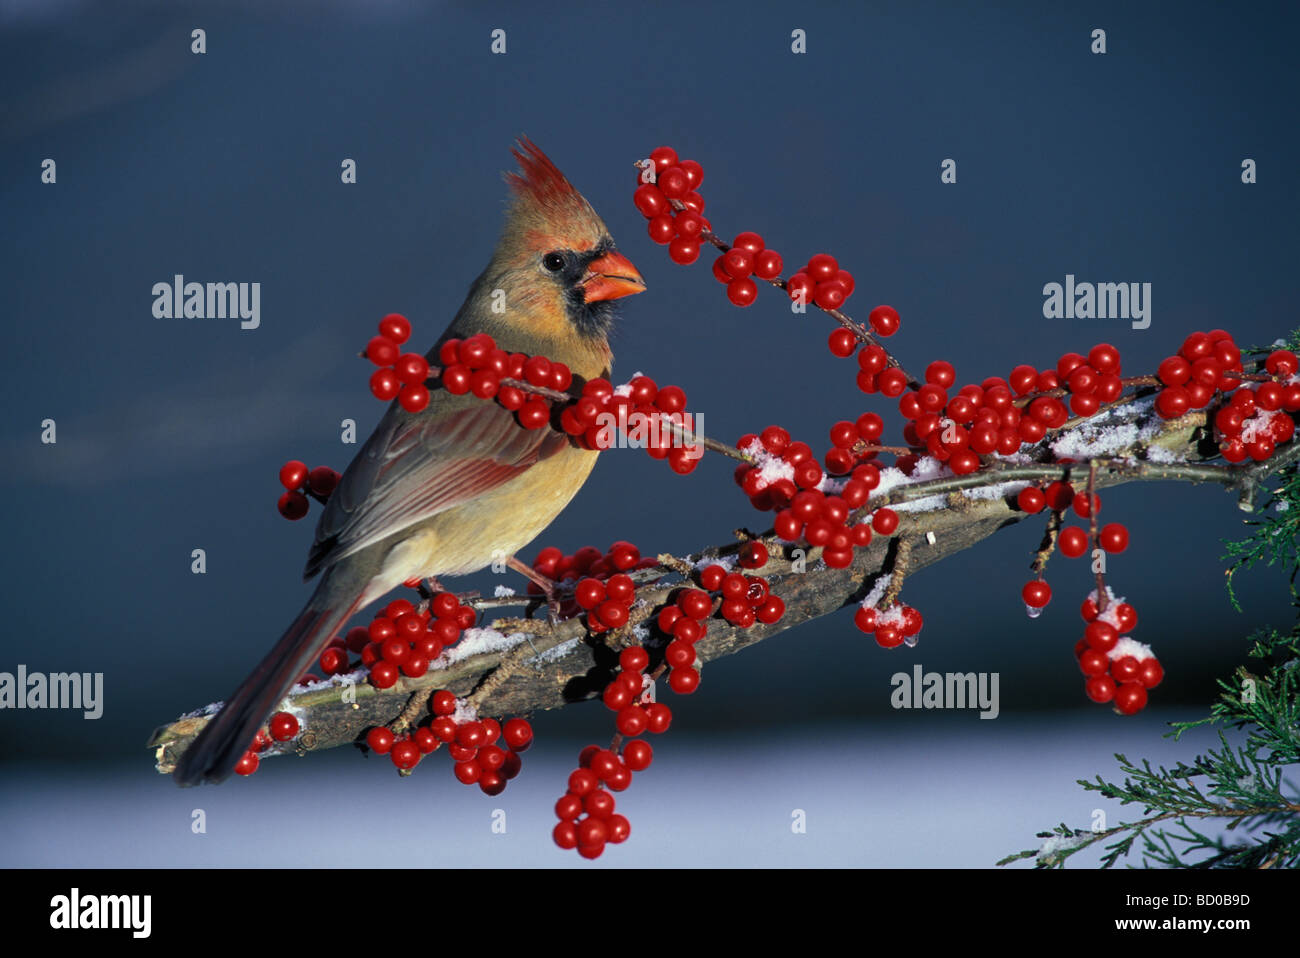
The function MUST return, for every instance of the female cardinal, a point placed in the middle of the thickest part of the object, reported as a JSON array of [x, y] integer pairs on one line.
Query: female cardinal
[[447, 490]]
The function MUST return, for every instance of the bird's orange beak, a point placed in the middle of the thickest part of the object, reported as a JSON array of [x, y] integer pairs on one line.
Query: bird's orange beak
[[610, 277]]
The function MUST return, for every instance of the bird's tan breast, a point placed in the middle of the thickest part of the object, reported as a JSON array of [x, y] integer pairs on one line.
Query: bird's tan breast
[[496, 525]]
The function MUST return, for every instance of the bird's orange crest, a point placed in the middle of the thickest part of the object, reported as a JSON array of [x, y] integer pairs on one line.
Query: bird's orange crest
[[548, 200]]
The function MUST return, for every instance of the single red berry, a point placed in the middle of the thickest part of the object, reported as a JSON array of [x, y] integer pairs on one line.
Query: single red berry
[[1113, 537], [380, 740], [842, 342], [634, 658], [753, 555], [884, 521], [742, 292], [662, 229], [1073, 542], [1036, 594], [658, 717], [637, 754], [247, 764], [1130, 698], [283, 726], [396, 327], [1100, 688], [1150, 673], [884, 320], [768, 264], [1031, 500], [405, 754], [566, 835], [293, 474], [293, 505], [384, 675], [650, 200], [684, 250], [684, 681], [1101, 636]]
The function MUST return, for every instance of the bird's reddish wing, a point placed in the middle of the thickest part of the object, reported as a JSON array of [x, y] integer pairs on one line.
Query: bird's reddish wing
[[416, 466]]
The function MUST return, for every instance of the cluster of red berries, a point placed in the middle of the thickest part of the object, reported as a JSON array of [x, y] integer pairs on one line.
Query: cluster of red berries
[[477, 365], [786, 478], [673, 180], [401, 375], [642, 410], [300, 482], [1090, 380], [1202, 366], [472, 744], [875, 373], [823, 282], [589, 563], [1119, 669], [748, 256], [402, 639], [1254, 423], [892, 627], [282, 727], [586, 810]]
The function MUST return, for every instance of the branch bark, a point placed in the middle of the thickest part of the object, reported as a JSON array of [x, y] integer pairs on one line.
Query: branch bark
[[553, 666]]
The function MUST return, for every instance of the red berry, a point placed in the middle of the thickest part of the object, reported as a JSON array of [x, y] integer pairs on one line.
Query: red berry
[[684, 250], [380, 740], [753, 555], [842, 342], [566, 835], [1073, 542], [405, 754], [1113, 537], [767, 264], [742, 292], [884, 521], [1130, 698], [1101, 636], [396, 327], [293, 505], [1100, 688], [293, 474], [283, 726], [650, 200], [384, 675], [1036, 594], [684, 681], [658, 717], [662, 229], [1150, 673], [1031, 500], [247, 764], [637, 754], [1125, 669], [884, 320]]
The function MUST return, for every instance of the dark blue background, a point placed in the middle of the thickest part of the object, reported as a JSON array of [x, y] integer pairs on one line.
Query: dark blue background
[[225, 167]]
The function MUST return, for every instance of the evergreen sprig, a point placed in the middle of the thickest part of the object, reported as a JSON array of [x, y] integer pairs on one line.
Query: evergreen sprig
[[1242, 787]]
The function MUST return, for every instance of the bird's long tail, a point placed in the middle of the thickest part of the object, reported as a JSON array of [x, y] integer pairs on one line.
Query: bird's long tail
[[213, 754]]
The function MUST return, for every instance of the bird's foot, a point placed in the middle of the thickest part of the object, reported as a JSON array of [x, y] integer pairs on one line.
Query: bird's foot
[[550, 588]]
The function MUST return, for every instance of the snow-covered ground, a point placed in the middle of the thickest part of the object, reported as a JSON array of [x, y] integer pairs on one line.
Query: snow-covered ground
[[914, 789]]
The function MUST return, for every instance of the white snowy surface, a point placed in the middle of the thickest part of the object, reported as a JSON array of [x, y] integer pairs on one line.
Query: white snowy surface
[[903, 789]]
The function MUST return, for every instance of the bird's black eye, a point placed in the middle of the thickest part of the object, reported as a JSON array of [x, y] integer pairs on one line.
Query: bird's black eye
[[553, 261]]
